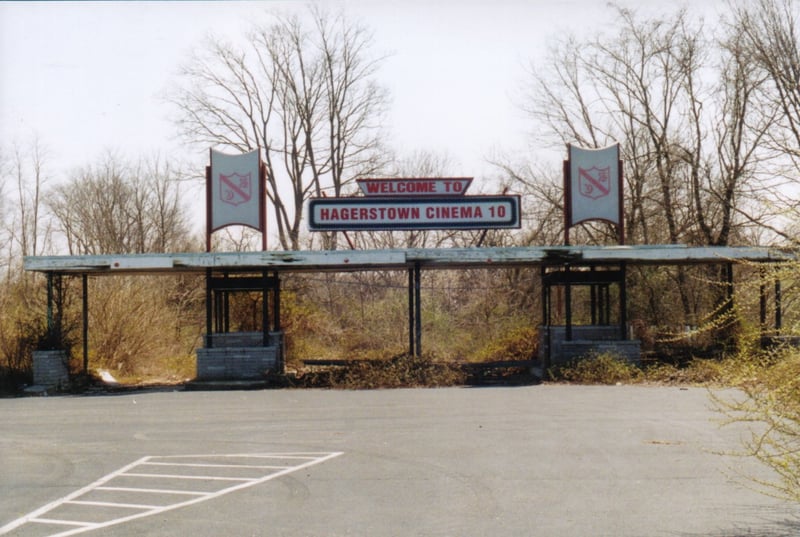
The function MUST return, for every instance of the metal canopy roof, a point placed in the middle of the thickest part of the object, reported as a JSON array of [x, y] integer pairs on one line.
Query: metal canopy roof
[[350, 260]]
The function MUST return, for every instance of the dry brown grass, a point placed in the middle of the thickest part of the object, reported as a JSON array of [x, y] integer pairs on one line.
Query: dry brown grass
[[403, 371], [729, 371]]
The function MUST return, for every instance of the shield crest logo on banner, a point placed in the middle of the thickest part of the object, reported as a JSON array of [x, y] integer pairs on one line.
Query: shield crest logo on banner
[[594, 182], [235, 188]]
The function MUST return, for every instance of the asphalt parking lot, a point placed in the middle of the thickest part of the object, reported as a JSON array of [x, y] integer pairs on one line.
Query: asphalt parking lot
[[547, 460]]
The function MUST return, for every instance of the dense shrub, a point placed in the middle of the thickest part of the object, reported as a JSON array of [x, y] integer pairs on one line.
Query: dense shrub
[[403, 371], [604, 368], [768, 402]]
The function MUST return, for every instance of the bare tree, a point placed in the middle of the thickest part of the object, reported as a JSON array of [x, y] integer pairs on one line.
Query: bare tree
[[304, 94], [543, 198], [5, 172], [27, 226], [687, 112], [770, 34], [627, 88], [115, 207], [692, 145]]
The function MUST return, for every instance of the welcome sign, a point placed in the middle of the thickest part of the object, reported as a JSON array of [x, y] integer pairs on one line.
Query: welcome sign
[[406, 213]]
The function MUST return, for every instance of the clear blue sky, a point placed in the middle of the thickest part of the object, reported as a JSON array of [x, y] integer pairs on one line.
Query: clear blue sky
[[88, 76]]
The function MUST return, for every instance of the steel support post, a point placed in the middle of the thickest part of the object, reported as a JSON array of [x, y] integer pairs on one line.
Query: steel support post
[[567, 305], [762, 302], [209, 311], [49, 303], [85, 314], [778, 307], [623, 301], [265, 308], [276, 304], [411, 327], [417, 309]]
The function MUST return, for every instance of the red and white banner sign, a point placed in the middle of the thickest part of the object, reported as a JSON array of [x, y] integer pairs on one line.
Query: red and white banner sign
[[235, 191], [593, 185], [415, 186]]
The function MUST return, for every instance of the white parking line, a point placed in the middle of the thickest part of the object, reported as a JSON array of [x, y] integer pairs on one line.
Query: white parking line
[[154, 491], [114, 504], [75, 523], [62, 522], [257, 466], [177, 476]]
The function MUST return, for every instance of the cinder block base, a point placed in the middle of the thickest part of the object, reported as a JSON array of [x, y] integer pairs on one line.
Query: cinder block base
[[51, 369], [236, 363], [629, 350], [586, 340]]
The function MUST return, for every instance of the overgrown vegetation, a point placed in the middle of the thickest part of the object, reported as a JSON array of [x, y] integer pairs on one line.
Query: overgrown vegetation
[[769, 402], [365, 316], [608, 368], [604, 368], [403, 371]]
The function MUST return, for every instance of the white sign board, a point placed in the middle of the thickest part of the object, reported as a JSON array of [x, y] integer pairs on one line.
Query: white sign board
[[235, 190], [465, 212], [594, 185]]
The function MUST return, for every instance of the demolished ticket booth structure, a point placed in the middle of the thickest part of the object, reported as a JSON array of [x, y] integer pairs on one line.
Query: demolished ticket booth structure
[[252, 355], [236, 195], [593, 191]]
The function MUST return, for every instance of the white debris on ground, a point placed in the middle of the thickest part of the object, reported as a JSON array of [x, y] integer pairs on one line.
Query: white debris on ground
[[107, 377]]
